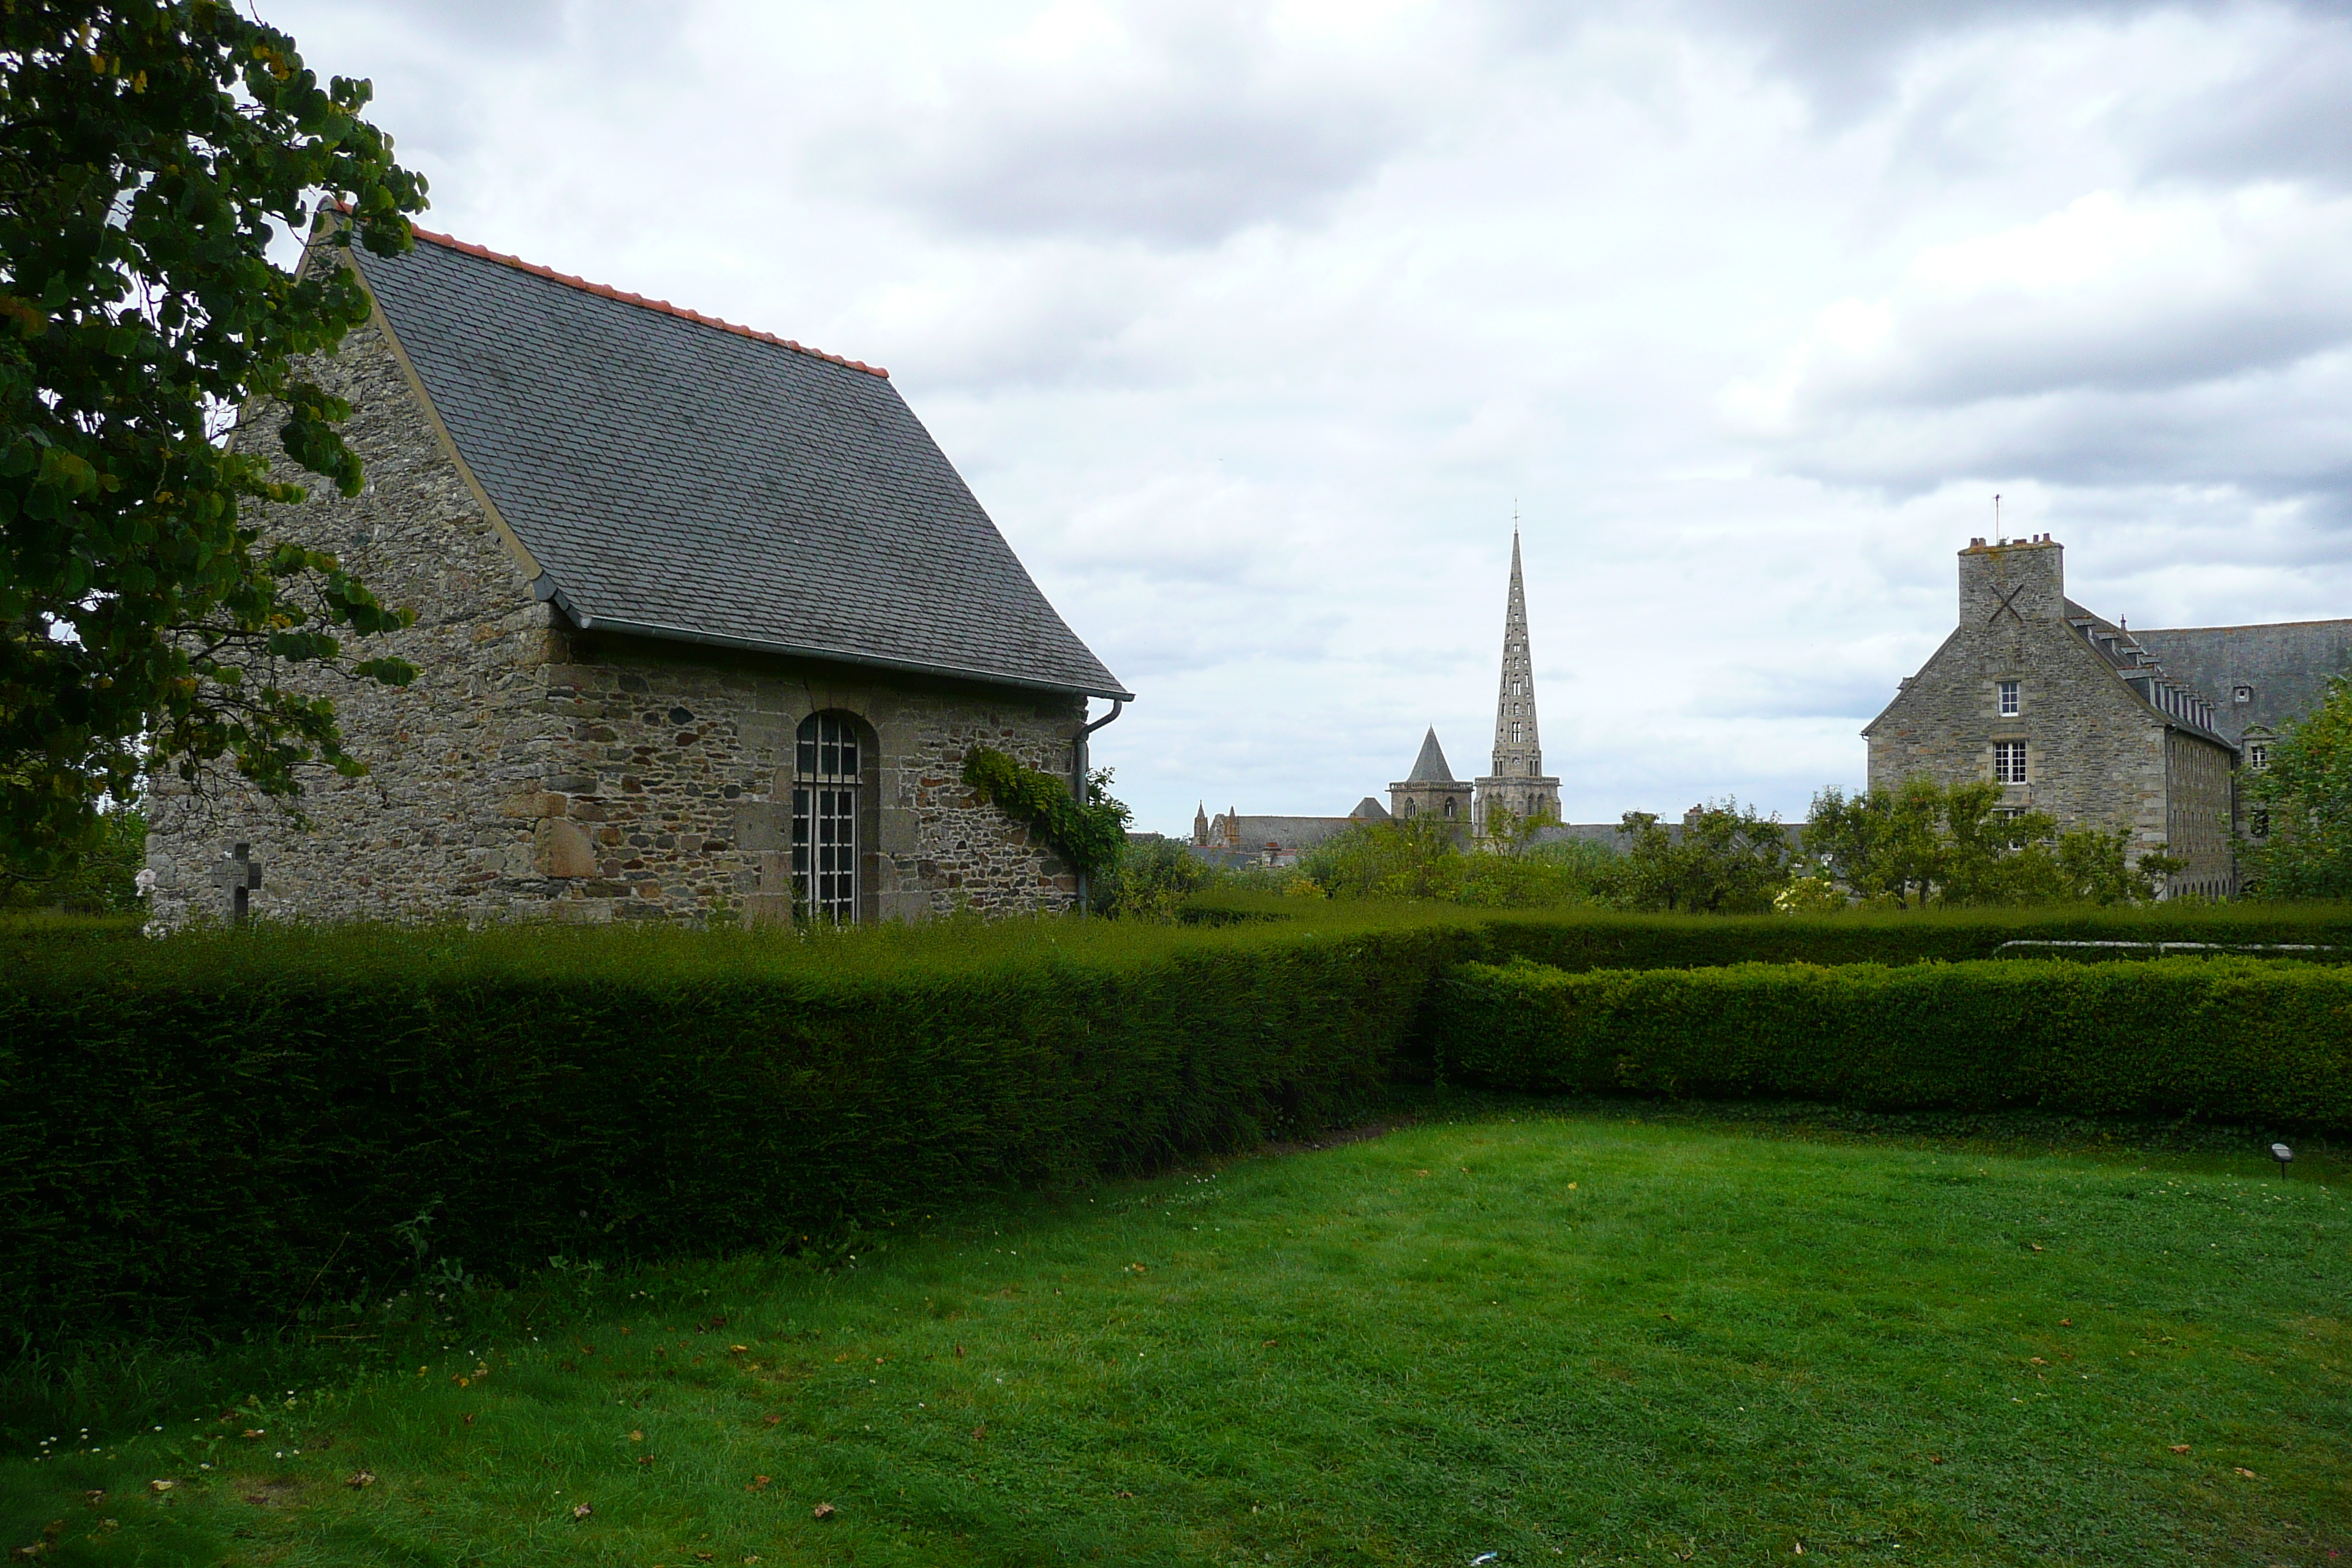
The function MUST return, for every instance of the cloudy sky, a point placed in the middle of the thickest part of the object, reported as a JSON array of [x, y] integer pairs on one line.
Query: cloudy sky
[[1250, 324]]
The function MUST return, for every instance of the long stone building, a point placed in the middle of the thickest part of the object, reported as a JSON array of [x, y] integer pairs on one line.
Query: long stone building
[[707, 624], [2072, 714]]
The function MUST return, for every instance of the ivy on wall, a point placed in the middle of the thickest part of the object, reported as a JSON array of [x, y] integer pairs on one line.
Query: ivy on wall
[[1091, 836]]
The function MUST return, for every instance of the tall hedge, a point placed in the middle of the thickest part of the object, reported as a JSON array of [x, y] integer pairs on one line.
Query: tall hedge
[[2230, 1038], [212, 1131]]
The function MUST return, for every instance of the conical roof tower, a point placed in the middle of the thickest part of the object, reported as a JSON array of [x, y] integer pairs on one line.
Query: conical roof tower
[[1518, 783]]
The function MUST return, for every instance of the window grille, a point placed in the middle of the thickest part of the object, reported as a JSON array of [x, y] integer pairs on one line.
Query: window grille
[[824, 820], [2010, 704], [2008, 761]]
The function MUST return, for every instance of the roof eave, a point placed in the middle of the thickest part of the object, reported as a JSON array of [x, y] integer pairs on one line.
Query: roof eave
[[655, 629]]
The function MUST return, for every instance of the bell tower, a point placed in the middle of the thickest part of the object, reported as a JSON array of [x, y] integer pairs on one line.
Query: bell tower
[[1518, 782]]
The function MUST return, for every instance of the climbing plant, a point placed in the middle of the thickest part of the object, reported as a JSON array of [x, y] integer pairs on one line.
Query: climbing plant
[[1090, 836]]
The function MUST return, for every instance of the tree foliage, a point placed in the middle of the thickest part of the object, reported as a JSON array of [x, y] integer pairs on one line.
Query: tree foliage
[[150, 152], [1725, 860], [2306, 793], [1423, 858], [1922, 843]]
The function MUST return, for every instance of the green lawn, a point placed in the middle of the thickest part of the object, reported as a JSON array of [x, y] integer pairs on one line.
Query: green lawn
[[1560, 1339]]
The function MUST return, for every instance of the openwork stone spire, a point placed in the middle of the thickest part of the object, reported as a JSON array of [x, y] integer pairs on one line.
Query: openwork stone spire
[[1519, 752], [1518, 783]]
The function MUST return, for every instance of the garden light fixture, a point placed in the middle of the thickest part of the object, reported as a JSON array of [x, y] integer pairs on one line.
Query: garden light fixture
[[2284, 1155]]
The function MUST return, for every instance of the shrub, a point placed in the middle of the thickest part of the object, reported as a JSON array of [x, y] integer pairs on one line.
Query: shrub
[[1921, 843], [213, 1129], [2225, 1037]]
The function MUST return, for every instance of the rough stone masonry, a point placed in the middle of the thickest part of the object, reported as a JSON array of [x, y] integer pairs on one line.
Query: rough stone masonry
[[543, 768]]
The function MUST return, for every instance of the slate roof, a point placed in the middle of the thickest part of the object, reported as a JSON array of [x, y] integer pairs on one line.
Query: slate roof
[[1370, 810], [2285, 666], [1289, 832], [1430, 766], [2150, 679], [677, 477]]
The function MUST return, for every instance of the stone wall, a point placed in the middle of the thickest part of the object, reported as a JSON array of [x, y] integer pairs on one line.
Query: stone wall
[[2200, 799], [531, 772]]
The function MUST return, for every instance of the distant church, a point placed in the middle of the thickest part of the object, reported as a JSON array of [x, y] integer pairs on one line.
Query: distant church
[[1518, 783]]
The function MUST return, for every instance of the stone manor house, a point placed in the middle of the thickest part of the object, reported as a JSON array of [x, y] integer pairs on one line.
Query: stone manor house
[[1517, 784], [707, 624], [2098, 725]]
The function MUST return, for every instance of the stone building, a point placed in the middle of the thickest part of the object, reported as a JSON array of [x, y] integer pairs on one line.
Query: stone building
[[2099, 726], [1228, 839], [1432, 791], [1518, 783], [707, 624]]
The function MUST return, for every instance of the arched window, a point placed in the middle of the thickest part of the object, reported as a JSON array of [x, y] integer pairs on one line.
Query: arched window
[[824, 818], [1449, 808], [1411, 808]]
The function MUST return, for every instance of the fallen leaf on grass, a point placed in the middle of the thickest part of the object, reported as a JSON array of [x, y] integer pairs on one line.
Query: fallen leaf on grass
[[469, 1418], [2066, 1322], [1137, 1268], [2037, 1360], [2247, 1473], [95, 1497], [758, 1484], [1935, 1458], [979, 1432], [359, 1478], [1123, 1494], [958, 1353], [1421, 1172], [822, 1511], [1266, 1345], [773, 1420], [253, 1431], [2180, 1447], [161, 1486], [636, 1436], [645, 1458], [2035, 1245], [704, 1556], [582, 1510]]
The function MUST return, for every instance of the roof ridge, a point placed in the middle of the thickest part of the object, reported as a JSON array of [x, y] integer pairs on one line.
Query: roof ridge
[[606, 291]]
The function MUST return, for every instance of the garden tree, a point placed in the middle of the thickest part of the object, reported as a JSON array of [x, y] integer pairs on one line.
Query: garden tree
[[1922, 843], [1509, 833], [100, 877], [2305, 791], [150, 152], [1151, 881], [1726, 860]]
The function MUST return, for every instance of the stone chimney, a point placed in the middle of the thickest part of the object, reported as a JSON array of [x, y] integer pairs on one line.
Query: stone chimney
[[2025, 579]]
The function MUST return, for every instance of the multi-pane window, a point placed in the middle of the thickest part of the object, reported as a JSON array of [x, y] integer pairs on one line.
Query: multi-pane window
[[2257, 755], [2010, 705], [824, 818], [2008, 761]]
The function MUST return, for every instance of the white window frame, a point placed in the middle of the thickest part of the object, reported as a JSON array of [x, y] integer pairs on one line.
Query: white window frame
[[2258, 756], [2008, 761], [828, 758], [2010, 698]]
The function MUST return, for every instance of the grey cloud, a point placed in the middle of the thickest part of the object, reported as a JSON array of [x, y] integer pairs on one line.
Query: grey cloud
[[1204, 133], [2285, 118]]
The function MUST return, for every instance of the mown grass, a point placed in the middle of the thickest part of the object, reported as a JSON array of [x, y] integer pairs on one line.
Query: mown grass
[[1555, 1336]]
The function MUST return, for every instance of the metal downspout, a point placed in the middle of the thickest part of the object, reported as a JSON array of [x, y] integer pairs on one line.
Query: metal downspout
[[1079, 777]]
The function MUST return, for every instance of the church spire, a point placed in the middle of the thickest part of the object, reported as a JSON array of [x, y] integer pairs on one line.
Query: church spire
[[1519, 753]]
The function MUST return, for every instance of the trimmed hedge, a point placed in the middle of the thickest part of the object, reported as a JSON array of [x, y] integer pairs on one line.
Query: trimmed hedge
[[214, 1131], [220, 1129], [1601, 939], [2228, 1039]]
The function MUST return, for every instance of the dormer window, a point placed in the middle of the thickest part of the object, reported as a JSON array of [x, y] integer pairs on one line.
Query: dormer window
[[2012, 701]]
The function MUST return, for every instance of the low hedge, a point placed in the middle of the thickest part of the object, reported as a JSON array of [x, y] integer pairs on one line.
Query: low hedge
[[1602, 938], [2224, 1038], [219, 1131]]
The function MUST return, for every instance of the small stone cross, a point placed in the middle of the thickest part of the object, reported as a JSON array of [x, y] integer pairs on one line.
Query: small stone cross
[[239, 874]]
